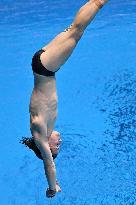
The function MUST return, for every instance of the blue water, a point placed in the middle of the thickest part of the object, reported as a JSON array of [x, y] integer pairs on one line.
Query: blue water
[[97, 104]]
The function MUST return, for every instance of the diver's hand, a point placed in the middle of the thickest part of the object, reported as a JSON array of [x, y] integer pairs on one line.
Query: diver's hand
[[58, 189], [50, 193]]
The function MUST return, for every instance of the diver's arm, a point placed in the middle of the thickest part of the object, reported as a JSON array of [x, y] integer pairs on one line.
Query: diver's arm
[[39, 130], [49, 165]]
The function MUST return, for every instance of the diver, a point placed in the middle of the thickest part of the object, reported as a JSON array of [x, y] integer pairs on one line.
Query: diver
[[43, 103]]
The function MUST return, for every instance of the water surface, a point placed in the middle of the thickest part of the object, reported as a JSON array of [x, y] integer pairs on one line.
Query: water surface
[[97, 106]]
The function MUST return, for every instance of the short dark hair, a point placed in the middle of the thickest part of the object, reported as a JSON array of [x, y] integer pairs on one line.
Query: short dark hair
[[30, 143], [54, 156]]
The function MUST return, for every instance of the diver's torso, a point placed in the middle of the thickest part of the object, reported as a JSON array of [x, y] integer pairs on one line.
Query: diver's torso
[[44, 100]]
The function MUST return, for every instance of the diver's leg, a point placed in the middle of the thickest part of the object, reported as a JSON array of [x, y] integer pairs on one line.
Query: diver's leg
[[62, 46]]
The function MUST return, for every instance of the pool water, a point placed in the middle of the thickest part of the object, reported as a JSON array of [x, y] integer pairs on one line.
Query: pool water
[[97, 109]]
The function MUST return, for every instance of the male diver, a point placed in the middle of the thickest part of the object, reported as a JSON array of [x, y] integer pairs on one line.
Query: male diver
[[44, 100]]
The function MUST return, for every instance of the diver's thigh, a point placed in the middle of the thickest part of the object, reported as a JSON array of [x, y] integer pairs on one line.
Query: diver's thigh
[[59, 50], [57, 54], [70, 32]]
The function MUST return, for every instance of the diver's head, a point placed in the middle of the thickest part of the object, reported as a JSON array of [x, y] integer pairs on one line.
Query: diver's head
[[54, 143]]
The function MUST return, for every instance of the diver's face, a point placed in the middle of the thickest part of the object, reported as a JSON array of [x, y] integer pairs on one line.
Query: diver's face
[[55, 142]]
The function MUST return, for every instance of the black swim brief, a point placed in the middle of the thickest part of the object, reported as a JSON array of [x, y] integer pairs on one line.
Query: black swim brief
[[37, 66]]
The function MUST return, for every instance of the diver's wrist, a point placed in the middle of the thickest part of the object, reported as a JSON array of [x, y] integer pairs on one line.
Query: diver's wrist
[[50, 192]]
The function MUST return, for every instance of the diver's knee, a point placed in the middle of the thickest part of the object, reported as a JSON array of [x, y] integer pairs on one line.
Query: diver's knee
[[78, 31], [79, 35]]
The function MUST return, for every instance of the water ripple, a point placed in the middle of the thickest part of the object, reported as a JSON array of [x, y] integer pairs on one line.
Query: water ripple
[[118, 152]]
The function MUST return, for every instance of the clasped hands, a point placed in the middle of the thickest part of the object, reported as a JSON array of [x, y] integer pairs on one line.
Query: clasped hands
[[52, 193]]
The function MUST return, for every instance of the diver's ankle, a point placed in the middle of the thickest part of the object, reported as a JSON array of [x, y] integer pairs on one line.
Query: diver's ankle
[[99, 3]]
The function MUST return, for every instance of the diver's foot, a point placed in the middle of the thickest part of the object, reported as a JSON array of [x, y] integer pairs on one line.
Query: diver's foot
[[100, 3]]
